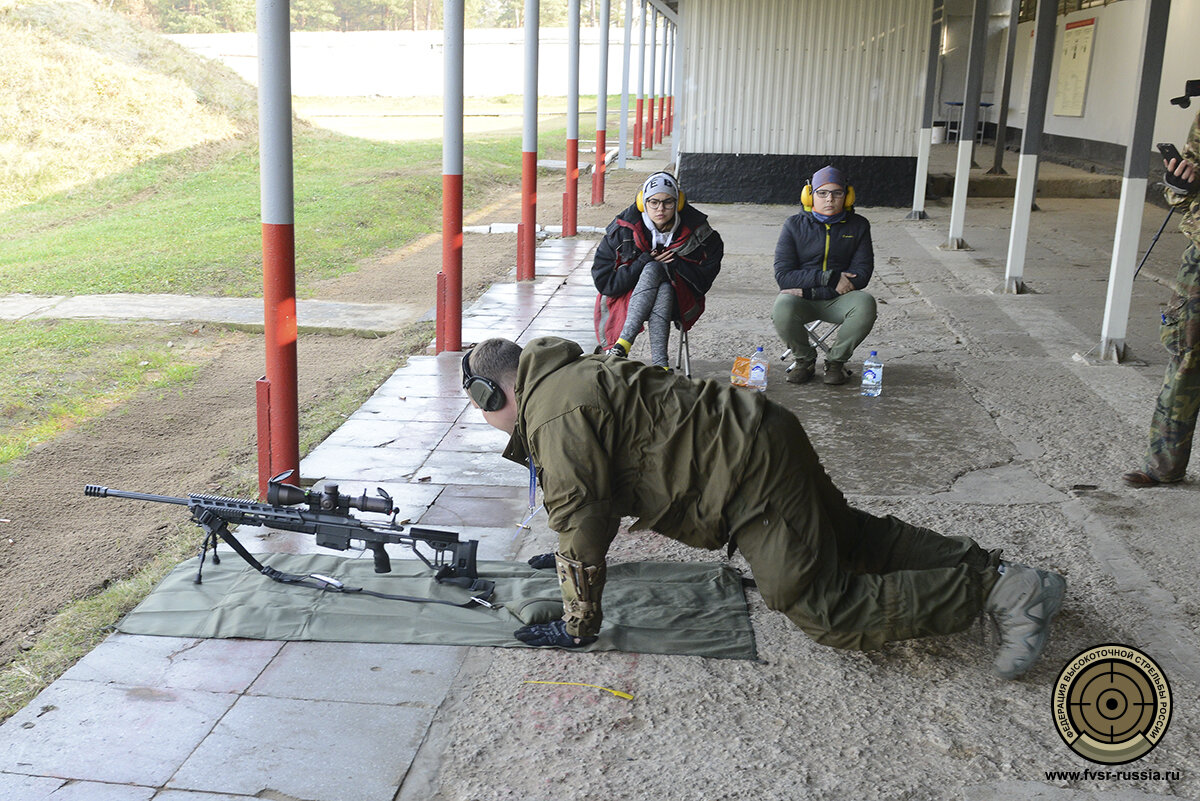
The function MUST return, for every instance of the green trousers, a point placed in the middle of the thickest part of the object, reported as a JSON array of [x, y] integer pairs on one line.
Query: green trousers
[[847, 578], [855, 311], [1174, 420]]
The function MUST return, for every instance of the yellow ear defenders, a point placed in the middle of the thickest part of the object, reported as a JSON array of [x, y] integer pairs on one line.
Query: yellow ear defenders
[[485, 392], [679, 204], [806, 198]]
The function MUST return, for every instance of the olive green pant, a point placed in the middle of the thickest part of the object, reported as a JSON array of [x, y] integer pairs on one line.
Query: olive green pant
[[847, 578], [854, 311]]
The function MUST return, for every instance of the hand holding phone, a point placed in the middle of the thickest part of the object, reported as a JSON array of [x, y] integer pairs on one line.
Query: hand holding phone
[[1170, 155]]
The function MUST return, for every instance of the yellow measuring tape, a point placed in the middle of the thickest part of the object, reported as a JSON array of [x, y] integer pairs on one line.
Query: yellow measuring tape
[[617, 693]]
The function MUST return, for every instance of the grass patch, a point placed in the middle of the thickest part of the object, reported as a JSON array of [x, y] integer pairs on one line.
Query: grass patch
[[84, 624], [56, 374], [190, 223]]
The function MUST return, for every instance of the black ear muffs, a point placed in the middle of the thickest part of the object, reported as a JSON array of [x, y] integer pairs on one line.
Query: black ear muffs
[[484, 391], [679, 204], [806, 198]]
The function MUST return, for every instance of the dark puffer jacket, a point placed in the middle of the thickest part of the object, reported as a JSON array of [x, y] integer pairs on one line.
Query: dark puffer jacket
[[812, 255], [625, 250]]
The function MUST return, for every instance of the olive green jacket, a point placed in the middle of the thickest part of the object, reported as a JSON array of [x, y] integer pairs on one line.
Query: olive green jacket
[[612, 437]]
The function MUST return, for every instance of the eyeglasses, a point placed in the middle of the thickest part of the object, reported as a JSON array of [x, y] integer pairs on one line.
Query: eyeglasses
[[668, 203], [825, 194]]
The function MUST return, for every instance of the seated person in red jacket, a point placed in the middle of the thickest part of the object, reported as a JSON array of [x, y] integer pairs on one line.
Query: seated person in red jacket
[[823, 262], [656, 261]]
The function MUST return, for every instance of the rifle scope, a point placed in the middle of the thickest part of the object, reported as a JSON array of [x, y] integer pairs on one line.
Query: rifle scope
[[327, 499]]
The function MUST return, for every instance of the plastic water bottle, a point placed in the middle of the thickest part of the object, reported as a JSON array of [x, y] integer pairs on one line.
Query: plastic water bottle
[[872, 382], [758, 370]]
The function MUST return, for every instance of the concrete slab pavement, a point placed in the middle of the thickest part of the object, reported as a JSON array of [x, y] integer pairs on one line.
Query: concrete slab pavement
[[995, 419]]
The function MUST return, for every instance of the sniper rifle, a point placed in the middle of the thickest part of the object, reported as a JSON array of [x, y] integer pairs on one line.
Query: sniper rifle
[[325, 514]]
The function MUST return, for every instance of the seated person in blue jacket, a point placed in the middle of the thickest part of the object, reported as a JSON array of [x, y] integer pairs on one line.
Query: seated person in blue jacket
[[823, 262], [656, 261]]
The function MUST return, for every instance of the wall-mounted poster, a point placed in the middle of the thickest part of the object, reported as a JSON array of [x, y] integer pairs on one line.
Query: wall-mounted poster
[[1073, 68]]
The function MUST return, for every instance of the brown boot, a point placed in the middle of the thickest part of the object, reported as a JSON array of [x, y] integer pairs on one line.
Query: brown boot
[[801, 373], [836, 373]]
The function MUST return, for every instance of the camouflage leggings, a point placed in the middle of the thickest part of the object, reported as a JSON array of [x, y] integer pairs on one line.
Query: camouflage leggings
[[1174, 419]]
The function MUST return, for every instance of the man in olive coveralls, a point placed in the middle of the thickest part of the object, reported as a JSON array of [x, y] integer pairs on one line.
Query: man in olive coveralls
[[1174, 422], [709, 465]]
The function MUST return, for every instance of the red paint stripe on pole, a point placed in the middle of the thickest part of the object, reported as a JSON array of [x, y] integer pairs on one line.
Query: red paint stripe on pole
[[452, 262], [658, 129], [670, 114], [571, 207], [279, 301], [262, 397], [648, 129], [598, 173], [637, 129], [527, 233]]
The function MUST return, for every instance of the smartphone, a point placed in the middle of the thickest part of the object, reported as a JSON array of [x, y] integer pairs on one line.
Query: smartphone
[[1169, 151]]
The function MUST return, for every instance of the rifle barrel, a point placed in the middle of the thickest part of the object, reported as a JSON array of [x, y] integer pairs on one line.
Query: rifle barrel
[[96, 491]]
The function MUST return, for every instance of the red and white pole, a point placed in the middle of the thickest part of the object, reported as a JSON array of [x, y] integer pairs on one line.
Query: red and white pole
[[527, 228], [648, 130], [663, 91], [449, 310], [601, 109], [670, 86], [281, 416], [571, 196], [641, 92]]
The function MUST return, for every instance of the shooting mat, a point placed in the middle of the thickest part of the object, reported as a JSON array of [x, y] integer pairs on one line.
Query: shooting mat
[[649, 607]]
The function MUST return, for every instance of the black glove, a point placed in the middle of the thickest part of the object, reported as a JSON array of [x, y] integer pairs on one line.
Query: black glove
[[553, 633], [1177, 183], [543, 561]]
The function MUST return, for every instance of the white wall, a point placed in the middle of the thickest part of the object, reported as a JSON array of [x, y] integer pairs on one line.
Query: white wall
[[409, 63], [1112, 83], [802, 76]]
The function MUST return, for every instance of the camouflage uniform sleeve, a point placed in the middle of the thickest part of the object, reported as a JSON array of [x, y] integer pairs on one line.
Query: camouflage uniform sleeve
[[1190, 202]]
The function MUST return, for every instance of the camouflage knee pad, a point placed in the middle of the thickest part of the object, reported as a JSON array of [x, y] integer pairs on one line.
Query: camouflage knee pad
[[581, 585]]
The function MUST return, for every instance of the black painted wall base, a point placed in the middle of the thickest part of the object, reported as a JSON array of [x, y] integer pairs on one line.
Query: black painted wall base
[[761, 178]]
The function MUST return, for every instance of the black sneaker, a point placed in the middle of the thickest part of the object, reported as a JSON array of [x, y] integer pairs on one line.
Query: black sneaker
[[617, 350]]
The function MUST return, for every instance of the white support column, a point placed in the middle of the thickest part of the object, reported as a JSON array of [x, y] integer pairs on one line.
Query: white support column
[[925, 138], [1031, 144], [966, 130], [1133, 188]]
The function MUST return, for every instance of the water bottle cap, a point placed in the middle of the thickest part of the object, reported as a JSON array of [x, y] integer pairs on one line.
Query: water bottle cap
[[759, 349], [873, 353]]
